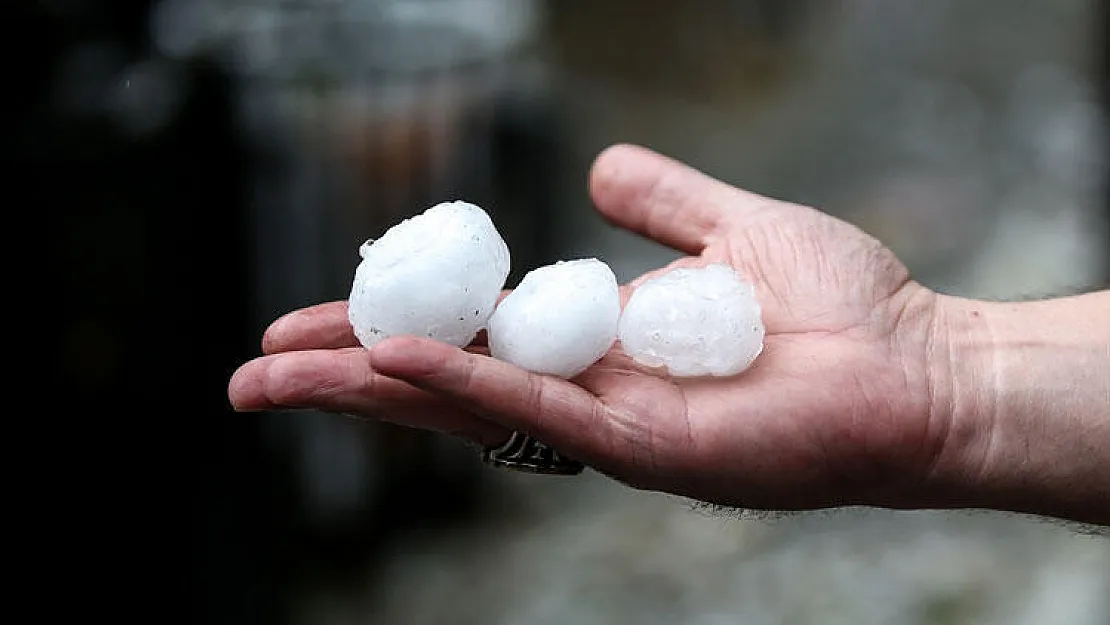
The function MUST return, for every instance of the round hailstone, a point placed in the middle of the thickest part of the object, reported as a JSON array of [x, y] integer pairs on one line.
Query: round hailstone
[[561, 319], [694, 322], [437, 274]]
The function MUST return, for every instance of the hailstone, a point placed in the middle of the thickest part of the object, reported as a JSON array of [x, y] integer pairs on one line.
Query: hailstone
[[694, 322], [437, 274], [560, 319]]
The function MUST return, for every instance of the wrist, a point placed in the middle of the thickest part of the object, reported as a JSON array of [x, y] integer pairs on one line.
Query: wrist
[[1024, 391]]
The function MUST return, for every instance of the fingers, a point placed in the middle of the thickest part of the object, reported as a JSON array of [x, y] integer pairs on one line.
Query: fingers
[[342, 381], [324, 326], [664, 200], [555, 411]]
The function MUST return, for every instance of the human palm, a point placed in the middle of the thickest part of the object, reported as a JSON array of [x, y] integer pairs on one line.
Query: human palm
[[835, 411]]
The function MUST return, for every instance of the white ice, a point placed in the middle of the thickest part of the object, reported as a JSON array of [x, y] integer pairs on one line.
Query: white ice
[[437, 274], [561, 319], [694, 322]]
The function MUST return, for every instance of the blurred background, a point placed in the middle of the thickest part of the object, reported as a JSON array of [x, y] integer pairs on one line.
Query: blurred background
[[207, 165]]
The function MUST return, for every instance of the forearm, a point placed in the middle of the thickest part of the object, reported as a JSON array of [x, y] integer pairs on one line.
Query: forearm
[[1025, 389]]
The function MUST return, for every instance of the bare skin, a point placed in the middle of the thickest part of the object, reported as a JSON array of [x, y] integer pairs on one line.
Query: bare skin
[[872, 389]]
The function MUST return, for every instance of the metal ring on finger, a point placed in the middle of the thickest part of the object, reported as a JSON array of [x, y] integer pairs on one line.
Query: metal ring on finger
[[524, 453]]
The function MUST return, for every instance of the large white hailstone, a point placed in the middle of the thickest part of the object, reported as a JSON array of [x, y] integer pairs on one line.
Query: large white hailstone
[[561, 319], [695, 322], [437, 274]]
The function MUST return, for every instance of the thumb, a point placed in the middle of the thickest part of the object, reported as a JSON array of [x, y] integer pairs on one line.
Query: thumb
[[664, 200]]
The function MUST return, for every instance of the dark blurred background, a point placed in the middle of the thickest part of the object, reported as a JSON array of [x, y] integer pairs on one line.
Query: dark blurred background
[[206, 165]]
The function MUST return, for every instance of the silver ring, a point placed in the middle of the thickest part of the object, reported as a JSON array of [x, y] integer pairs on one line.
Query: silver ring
[[524, 453]]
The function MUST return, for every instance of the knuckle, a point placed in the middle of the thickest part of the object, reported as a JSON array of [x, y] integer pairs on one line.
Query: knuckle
[[534, 392]]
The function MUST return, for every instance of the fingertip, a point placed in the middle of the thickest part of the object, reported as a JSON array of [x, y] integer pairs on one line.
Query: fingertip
[[609, 174], [323, 326], [618, 152], [246, 388], [658, 197]]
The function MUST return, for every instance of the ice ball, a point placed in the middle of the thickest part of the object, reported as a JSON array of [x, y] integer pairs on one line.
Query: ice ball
[[437, 274], [694, 322], [561, 319]]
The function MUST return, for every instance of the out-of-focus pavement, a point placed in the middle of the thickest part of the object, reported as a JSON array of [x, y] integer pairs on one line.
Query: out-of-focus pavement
[[591, 552]]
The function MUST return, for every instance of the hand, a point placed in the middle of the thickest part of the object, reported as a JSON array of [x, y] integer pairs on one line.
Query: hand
[[838, 410]]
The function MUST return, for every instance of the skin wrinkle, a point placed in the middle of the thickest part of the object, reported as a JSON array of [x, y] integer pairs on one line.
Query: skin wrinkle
[[627, 437], [931, 437], [638, 441], [688, 427], [314, 389], [775, 239], [900, 304], [938, 426], [649, 434], [900, 403], [968, 452], [534, 398], [991, 415], [771, 237], [633, 422], [608, 420], [465, 375], [756, 271], [827, 274], [868, 463], [370, 381], [916, 441]]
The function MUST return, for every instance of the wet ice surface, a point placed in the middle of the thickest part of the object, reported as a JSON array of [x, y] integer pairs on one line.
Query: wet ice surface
[[559, 320], [694, 322], [437, 274]]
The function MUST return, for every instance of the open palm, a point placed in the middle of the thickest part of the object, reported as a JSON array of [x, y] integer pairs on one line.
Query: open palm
[[835, 411]]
